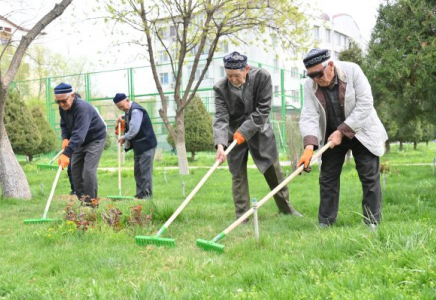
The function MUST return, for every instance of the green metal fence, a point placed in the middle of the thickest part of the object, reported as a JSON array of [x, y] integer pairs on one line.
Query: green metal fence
[[98, 88]]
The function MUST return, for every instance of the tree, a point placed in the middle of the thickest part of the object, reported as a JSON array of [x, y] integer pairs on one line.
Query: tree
[[198, 128], [12, 178], [401, 54], [48, 136], [197, 27], [353, 53], [22, 131]]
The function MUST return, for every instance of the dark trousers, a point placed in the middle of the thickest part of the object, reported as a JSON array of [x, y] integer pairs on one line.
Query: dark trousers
[[70, 177], [143, 171], [273, 175], [368, 168], [84, 165]]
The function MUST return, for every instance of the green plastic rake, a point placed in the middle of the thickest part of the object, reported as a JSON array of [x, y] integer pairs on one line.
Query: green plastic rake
[[49, 166], [213, 246], [44, 216], [119, 196], [157, 239]]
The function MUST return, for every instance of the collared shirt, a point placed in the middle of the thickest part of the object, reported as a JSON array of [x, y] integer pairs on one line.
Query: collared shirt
[[335, 117]]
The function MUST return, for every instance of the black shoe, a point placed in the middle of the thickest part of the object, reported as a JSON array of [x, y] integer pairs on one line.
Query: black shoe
[[72, 192]]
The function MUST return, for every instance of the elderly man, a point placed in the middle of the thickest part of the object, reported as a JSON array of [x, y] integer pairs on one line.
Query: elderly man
[[338, 107], [139, 136], [84, 136], [243, 103]]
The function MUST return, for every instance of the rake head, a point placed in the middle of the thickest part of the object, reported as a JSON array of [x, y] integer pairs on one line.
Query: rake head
[[119, 197], [210, 246], [46, 167], [38, 221], [154, 240]]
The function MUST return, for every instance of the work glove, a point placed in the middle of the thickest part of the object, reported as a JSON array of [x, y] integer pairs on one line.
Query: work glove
[[63, 161], [65, 143], [122, 127], [238, 137], [305, 159]]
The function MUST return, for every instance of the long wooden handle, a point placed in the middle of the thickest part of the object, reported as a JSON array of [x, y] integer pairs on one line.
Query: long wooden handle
[[55, 183], [275, 190], [119, 159], [56, 156], [199, 185]]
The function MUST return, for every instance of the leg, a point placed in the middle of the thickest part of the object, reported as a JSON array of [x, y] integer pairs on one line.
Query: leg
[[274, 176], [145, 178], [329, 182], [368, 168], [241, 194], [137, 173], [77, 163], [92, 159], [70, 178]]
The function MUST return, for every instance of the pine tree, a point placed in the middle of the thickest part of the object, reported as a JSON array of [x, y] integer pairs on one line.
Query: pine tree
[[48, 136]]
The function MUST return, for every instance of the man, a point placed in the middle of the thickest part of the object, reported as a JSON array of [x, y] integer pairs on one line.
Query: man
[[84, 136], [338, 107], [139, 135], [243, 103]]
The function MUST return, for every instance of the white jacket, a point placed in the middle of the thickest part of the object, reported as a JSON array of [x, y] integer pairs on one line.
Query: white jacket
[[360, 114]]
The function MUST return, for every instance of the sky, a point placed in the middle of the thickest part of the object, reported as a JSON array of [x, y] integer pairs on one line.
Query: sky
[[81, 33]]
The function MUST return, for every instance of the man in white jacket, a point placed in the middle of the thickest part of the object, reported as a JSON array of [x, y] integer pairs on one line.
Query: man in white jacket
[[338, 107]]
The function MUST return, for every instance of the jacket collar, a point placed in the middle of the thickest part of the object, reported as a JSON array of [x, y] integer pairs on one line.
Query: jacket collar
[[342, 76]]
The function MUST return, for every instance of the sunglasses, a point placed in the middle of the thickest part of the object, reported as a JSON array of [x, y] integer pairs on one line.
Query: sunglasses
[[63, 101], [317, 74]]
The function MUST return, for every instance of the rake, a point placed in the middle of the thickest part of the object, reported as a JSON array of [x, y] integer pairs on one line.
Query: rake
[[157, 239], [212, 245], [119, 196], [49, 166], [44, 216]]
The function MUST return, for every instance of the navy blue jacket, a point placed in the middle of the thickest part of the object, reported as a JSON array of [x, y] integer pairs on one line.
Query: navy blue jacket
[[81, 124], [145, 139]]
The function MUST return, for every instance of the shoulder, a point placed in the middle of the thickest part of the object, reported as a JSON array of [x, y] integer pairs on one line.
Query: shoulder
[[347, 66], [221, 84]]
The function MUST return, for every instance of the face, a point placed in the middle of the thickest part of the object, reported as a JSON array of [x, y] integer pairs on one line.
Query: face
[[64, 101], [237, 77], [322, 75], [124, 105]]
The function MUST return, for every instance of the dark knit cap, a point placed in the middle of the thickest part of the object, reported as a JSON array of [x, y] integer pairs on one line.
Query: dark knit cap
[[63, 88], [119, 97], [235, 61], [315, 57]]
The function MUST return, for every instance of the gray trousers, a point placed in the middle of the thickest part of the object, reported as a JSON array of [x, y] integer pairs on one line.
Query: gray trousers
[[84, 163], [368, 168], [143, 170], [273, 175]]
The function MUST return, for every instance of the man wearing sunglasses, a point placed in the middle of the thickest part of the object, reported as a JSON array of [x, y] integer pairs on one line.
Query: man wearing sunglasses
[[84, 136], [338, 107], [243, 103]]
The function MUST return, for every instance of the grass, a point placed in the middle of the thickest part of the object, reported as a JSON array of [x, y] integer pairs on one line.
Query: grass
[[294, 259]]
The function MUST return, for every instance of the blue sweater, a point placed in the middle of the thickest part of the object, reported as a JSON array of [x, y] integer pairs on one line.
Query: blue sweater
[[81, 124]]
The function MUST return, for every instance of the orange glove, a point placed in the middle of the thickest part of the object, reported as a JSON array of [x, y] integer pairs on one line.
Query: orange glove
[[238, 136], [122, 127], [65, 143], [305, 159], [63, 161]]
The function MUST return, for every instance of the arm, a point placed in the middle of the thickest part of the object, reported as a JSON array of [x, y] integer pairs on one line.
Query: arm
[[82, 123], [309, 118], [65, 134], [221, 120], [134, 125]]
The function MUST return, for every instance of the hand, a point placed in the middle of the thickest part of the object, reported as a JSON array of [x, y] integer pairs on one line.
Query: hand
[[65, 143], [336, 138], [122, 127], [220, 155], [63, 161], [305, 159], [121, 140], [238, 136]]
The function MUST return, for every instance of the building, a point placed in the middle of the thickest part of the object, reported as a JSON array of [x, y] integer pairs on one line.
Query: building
[[9, 30]]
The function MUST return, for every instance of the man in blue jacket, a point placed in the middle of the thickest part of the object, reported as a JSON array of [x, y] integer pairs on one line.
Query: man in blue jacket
[[84, 136], [139, 136]]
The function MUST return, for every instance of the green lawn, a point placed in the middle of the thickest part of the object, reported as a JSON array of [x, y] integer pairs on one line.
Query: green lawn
[[294, 259]]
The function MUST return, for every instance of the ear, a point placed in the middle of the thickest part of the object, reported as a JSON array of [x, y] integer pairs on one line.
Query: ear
[[247, 68]]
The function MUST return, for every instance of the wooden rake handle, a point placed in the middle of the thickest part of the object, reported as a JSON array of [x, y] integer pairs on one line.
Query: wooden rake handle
[[275, 190], [55, 183], [56, 156], [199, 185], [119, 159]]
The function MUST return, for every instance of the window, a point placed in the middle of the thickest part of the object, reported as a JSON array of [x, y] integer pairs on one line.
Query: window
[[225, 47], [222, 72], [173, 31], [164, 78], [316, 33], [163, 57], [294, 72], [198, 72], [7, 29], [338, 38], [328, 36]]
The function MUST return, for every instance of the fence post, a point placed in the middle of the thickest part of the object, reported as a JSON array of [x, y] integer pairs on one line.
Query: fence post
[[256, 221], [87, 87]]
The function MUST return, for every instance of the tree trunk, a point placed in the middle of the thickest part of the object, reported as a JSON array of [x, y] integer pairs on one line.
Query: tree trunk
[[415, 144], [179, 141], [401, 146], [12, 178], [388, 146], [192, 156]]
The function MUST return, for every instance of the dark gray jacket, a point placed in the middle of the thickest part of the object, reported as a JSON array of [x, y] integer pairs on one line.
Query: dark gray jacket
[[250, 116], [81, 124]]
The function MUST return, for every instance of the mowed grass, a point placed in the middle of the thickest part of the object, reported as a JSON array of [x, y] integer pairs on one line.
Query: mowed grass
[[294, 259]]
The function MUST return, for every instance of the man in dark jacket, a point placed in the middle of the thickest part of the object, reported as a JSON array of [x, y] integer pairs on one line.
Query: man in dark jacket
[[243, 103], [139, 136], [84, 136]]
